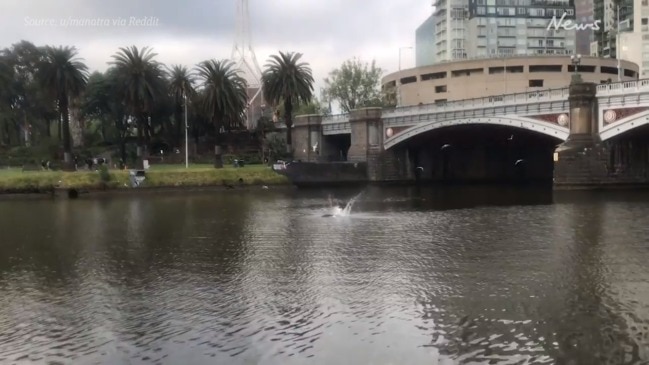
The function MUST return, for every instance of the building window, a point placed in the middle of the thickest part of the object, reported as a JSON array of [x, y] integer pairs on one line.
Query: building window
[[536, 83], [440, 89], [481, 10], [537, 12], [522, 11], [644, 21], [569, 12]]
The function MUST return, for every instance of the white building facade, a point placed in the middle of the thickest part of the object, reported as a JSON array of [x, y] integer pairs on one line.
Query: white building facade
[[496, 28]]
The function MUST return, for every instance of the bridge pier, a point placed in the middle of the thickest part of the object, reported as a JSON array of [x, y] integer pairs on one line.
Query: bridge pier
[[307, 138], [367, 141], [581, 161]]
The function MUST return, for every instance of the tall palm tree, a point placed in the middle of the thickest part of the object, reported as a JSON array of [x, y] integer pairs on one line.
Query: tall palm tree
[[140, 81], [224, 99], [65, 76], [181, 84], [287, 80]]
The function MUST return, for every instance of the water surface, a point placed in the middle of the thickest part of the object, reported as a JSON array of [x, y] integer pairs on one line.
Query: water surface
[[411, 276]]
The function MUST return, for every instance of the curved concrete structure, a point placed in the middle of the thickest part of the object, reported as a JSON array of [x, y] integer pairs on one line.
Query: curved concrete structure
[[625, 125], [552, 130], [478, 78]]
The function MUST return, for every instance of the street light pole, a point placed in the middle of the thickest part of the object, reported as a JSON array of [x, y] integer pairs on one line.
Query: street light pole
[[617, 47], [186, 132], [576, 60]]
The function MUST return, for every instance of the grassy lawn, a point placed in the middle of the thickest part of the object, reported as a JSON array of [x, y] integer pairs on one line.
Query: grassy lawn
[[156, 176]]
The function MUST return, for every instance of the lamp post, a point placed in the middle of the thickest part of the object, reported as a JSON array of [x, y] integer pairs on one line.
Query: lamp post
[[575, 60], [186, 132], [398, 80], [617, 46]]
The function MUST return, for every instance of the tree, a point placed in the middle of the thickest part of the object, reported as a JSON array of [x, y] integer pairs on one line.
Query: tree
[[26, 100], [65, 76], [181, 84], [312, 107], [224, 99], [355, 85], [102, 101], [140, 81], [287, 80]]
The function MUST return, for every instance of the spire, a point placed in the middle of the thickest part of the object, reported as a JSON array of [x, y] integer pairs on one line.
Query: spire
[[243, 55]]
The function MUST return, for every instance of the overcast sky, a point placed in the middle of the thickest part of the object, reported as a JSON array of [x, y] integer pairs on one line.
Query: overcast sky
[[327, 32]]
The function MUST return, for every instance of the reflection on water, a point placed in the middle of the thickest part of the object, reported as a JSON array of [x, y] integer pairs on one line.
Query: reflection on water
[[411, 276]]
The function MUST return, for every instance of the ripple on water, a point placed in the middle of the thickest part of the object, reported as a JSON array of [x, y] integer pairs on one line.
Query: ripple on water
[[273, 282]]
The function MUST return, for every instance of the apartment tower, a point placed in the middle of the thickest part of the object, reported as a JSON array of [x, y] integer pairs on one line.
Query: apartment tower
[[499, 28]]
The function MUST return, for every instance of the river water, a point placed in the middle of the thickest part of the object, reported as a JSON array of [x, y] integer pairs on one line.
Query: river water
[[411, 276]]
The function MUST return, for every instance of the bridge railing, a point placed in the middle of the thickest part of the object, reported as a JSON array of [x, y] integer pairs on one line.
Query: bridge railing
[[336, 118], [616, 88], [495, 100], [623, 87]]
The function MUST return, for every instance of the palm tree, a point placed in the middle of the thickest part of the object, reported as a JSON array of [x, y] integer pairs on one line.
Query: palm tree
[[181, 84], [224, 99], [65, 76], [140, 81], [288, 81]]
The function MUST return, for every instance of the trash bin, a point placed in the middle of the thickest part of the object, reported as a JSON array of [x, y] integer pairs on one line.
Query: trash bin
[[136, 177]]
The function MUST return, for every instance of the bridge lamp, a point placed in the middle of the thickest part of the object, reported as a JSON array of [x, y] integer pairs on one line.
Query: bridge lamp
[[576, 60]]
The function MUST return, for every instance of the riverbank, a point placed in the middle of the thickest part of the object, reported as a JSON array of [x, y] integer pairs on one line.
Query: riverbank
[[16, 181]]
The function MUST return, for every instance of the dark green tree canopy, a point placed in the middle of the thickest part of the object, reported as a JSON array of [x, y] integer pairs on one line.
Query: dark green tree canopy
[[140, 78], [287, 80], [224, 93], [355, 84], [62, 72]]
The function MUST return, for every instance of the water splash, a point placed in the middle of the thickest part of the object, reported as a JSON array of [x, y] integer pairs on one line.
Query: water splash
[[347, 210]]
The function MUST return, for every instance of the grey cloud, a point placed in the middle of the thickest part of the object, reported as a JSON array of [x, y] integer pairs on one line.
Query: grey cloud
[[347, 22], [346, 26]]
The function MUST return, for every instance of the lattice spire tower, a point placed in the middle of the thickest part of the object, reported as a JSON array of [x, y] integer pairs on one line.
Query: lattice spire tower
[[243, 55]]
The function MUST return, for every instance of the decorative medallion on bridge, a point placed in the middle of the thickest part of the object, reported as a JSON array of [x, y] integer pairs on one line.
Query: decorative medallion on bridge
[[393, 131], [613, 115], [563, 120], [551, 118], [610, 116]]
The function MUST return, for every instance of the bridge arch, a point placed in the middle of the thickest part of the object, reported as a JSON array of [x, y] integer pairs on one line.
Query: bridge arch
[[624, 125], [514, 121]]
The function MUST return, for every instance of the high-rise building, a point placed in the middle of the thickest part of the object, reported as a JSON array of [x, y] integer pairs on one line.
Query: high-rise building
[[451, 18], [520, 27], [425, 43], [584, 14], [605, 39], [634, 42], [496, 28]]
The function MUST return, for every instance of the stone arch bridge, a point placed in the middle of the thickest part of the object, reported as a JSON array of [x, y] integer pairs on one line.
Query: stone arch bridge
[[581, 115]]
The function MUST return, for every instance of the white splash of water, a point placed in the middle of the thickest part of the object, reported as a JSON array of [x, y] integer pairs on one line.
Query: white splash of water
[[347, 210]]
